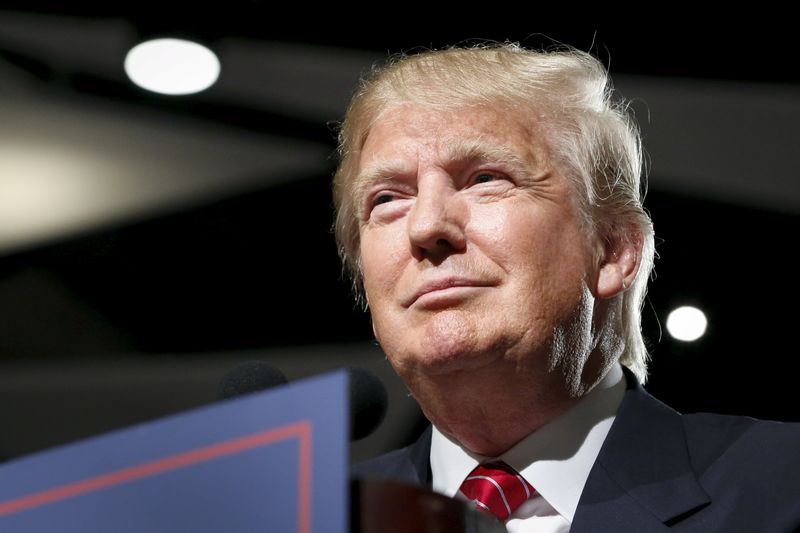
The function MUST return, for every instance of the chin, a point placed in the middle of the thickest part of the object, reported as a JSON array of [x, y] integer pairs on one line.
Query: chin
[[449, 343]]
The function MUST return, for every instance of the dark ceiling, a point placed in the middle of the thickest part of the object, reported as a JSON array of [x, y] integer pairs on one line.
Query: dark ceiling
[[757, 46]]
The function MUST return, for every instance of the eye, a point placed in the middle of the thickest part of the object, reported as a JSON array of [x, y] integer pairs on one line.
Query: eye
[[382, 199], [486, 177]]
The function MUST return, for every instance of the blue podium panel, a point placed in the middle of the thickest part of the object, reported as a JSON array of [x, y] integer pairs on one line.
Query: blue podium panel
[[274, 461]]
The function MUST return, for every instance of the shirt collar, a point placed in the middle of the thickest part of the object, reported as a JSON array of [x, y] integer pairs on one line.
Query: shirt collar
[[556, 459]]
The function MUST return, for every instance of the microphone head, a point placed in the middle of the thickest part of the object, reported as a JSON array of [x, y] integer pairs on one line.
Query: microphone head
[[249, 377], [368, 402]]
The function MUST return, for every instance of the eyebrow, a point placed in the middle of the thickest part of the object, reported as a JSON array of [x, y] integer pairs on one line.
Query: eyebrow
[[380, 171], [460, 151], [478, 150]]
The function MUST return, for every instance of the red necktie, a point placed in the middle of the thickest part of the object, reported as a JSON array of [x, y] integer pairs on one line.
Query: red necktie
[[496, 488]]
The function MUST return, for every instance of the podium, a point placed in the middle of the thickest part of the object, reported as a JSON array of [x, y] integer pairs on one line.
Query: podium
[[274, 461], [379, 506]]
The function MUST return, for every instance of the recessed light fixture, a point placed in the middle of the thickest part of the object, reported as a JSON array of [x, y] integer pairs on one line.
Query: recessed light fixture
[[172, 66]]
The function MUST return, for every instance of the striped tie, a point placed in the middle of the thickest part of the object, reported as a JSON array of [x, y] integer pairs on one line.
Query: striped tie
[[496, 488]]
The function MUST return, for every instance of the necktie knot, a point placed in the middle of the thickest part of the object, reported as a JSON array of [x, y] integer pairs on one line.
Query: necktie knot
[[496, 488]]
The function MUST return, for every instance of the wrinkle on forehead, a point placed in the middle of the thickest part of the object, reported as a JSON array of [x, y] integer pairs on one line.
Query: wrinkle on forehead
[[498, 138]]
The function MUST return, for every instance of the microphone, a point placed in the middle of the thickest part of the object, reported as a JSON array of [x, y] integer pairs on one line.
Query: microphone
[[249, 377], [368, 398], [368, 402]]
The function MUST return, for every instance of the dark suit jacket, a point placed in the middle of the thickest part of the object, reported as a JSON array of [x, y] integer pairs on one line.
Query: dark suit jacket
[[659, 470]]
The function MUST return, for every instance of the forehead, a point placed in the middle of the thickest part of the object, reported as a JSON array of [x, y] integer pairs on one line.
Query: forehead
[[440, 135]]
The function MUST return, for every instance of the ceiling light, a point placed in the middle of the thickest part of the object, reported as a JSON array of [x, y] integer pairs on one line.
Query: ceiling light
[[172, 66]]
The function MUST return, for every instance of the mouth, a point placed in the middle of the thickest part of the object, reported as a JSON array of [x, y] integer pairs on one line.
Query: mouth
[[442, 287]]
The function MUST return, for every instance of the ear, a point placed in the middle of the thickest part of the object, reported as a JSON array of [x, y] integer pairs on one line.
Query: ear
[[620, 263]]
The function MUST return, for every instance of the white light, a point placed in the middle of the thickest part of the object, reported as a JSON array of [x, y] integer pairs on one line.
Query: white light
[[687, 323], [172, 66]]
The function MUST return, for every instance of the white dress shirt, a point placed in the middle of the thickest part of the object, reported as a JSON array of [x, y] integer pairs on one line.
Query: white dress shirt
[[555, 459]]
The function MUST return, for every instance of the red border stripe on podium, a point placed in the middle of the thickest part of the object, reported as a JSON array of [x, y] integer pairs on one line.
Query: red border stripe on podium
[[301, 430]]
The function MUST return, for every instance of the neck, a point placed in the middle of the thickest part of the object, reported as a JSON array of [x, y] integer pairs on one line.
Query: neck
[[489, 412]]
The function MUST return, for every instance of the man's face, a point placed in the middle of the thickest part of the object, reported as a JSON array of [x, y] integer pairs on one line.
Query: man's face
[[472, 251]]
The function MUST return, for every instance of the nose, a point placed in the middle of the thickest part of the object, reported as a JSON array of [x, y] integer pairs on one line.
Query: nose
[[436, 223]]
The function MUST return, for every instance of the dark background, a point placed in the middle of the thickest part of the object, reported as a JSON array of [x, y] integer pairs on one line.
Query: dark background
[[132, 318]]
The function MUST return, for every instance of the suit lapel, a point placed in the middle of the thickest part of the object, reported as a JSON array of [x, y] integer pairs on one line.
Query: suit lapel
[[643, 479], [419, 456], [409, 465]]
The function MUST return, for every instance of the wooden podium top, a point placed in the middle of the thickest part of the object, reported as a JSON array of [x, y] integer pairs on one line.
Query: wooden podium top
[[380, 506]]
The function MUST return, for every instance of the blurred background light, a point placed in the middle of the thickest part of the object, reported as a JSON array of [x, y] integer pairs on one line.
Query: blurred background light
[[687, 323], [172, 66]]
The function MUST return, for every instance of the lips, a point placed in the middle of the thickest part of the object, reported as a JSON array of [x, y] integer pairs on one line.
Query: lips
[[440, 284]]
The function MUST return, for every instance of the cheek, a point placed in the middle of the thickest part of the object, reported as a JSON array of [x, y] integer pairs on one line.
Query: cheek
[[380, 262], [497, 231], [544, 251], [517, 237]]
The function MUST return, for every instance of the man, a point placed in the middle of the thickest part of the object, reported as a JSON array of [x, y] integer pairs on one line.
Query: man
[[489, 207]]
